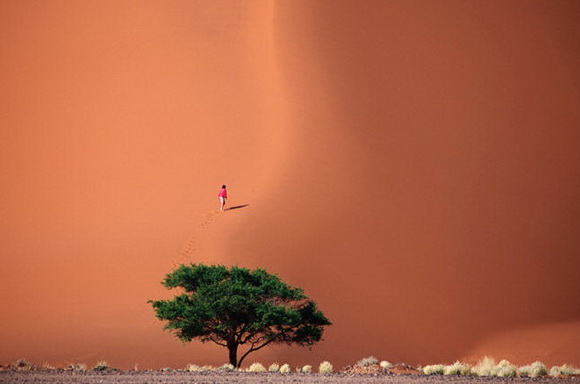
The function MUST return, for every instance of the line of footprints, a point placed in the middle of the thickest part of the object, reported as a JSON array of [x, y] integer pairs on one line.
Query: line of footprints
[[191, 245]]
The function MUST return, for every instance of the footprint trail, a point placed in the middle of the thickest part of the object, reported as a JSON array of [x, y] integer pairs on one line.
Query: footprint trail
[[192, 244]]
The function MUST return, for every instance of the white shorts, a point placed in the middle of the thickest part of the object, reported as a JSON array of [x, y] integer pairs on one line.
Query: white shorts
[[222, 199]]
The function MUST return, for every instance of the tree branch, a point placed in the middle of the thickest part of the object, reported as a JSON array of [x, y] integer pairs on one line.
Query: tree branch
[[253, 349], [248, 338], [213, 339], [241, 332], [216, 339]]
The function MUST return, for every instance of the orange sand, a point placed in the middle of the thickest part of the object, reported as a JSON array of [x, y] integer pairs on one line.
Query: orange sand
[[412, 165]]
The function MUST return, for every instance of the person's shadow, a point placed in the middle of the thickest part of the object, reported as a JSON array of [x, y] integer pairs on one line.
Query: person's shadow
[[236, 207]]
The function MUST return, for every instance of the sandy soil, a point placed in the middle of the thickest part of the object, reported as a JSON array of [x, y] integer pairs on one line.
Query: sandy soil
[[412, 165], [187, 378]]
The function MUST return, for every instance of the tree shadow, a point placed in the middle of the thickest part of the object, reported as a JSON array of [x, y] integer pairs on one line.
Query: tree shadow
[[236, 207]]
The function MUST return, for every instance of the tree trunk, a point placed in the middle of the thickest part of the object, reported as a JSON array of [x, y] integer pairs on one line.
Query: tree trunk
[[233, 348]]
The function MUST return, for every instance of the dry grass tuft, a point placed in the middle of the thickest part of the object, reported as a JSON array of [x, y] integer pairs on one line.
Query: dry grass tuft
[[485, 367], [458, 369], [536, 369], [325, 368], [564, 370], [436, 369], [101, 366], [226, 368], [506, 369], [257, 367], [385, 364], [197, 368], [76, 367], [285, 368], [367, 361], [21, 364], [274, 367], [306, 369]]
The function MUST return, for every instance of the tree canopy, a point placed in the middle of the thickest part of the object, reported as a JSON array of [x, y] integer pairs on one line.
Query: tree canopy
[[237, 306]]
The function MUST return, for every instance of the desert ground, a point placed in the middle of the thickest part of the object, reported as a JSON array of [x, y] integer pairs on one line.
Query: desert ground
[[412, 165], [249, 378]]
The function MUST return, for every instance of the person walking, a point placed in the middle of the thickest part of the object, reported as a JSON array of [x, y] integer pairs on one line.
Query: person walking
[[223, 196]]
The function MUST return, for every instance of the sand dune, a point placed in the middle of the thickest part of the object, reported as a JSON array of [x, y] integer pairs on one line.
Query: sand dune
[[413, 166]]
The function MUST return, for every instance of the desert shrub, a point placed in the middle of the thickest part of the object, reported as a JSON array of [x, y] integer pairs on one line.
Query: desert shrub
[[257, 367], [76, 367], [325, 368], [458, 368], [226, 368], [506, 369], [536, 369], [21, 363], [488, 367], [385, 364], [285, 368], [485, 367], [437, 369], [101, 366], [367, 361], [274, 367], [405, 366], [306, 369], [564, 370], [197, 368], [166, 369]]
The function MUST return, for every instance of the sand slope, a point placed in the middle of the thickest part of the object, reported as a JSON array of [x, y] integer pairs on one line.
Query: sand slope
[[412, 166]]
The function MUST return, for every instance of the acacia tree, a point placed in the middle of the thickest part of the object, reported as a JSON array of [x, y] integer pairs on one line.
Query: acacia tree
[[238, 307]]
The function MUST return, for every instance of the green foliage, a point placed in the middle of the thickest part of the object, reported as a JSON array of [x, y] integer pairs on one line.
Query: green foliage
[[237, 306]]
